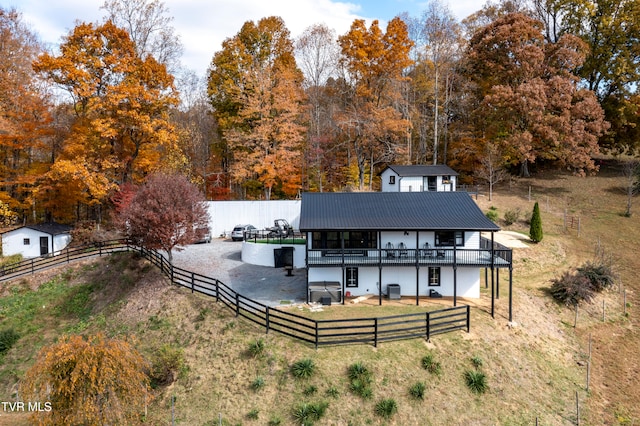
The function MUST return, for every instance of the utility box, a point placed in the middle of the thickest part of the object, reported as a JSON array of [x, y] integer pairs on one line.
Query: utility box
[[393, 291]]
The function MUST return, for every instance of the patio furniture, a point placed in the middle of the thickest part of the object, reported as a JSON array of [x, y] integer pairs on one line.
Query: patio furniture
[[390, 250], [402, 250], [426, 250]]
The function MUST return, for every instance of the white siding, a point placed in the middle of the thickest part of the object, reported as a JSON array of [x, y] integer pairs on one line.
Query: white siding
[[225, 215], [13, 242]]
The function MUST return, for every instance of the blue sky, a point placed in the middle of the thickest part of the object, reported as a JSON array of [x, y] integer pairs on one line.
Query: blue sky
[[204, 24]]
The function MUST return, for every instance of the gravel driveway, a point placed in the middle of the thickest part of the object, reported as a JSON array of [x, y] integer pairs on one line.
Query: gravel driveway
[[221, 259]]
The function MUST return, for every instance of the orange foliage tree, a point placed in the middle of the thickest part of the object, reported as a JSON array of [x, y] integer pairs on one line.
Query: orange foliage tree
[[255, 88], [24, 115], [530, 101], [90, 381], [369, 119], [121, 130]]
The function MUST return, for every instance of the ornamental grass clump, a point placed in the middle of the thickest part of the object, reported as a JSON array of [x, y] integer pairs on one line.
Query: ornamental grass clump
[[431, 365], [360, 378], [386, 408], [303, 369]]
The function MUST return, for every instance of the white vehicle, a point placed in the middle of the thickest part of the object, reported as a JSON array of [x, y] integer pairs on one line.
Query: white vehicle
[[238, 233]]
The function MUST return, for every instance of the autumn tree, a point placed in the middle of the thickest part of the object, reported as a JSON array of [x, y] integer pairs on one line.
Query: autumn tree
[[530, 101], [255, 88], [121, 101], [92, 380], [370, 120], [167, 212], [24, 114]]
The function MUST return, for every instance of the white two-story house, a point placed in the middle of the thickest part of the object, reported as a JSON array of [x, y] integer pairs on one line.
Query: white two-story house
[[418, 178], [393, 244]]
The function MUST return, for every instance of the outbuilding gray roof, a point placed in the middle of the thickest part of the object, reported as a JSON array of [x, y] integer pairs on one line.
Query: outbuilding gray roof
[[392, 211], [50, 228], [423, 170]]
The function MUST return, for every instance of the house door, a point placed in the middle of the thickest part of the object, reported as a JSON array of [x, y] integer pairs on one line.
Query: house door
[[44, 246]]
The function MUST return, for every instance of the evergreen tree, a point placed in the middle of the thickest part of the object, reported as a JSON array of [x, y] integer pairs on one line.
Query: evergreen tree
[[535, 231]]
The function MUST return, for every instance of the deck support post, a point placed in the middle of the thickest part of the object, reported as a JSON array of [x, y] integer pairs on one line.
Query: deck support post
[[493, 256], [510, 293]]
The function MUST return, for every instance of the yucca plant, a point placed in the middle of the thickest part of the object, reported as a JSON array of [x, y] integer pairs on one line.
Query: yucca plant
[[258, 383], [333, 392], [386, 408], [310, 390], [303, 369], [431, 365], [256, 348], [476, 381], [476, 361], [417, 390]]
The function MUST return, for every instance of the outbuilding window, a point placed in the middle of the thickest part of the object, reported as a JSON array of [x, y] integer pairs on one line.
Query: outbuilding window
[[392, 180], [26, 241]]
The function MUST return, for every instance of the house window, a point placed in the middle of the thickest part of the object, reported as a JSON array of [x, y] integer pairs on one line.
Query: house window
[[446, 179], [352, 277], [448, 238], [392, 180], [434, 277], [352, 240], [26, 241]]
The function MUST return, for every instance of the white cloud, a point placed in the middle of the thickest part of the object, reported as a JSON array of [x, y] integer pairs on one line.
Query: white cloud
[[204, 24]]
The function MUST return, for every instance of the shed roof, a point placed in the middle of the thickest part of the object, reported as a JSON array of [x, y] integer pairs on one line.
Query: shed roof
[[423, 170], [50, 228], [392, 211]]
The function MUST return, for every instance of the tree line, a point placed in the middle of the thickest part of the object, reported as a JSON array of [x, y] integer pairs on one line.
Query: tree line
[[515, 85]]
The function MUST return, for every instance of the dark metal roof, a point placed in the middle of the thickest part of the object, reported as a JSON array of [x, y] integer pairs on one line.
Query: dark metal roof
[[392, 211], [423, 170], [47, 228]]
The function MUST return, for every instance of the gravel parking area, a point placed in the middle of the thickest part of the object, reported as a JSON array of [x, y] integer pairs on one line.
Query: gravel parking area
[[221, 259]]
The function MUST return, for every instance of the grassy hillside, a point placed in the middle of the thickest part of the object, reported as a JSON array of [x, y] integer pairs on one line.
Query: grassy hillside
[[533, 370]]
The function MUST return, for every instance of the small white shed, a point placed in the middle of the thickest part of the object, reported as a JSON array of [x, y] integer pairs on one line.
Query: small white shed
[[36, 240]]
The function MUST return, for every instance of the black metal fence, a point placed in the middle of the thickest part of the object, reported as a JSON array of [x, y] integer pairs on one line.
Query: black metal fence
[[315, 332]]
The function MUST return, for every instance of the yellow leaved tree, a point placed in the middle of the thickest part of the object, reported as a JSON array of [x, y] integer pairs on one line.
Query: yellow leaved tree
[[88, 381]]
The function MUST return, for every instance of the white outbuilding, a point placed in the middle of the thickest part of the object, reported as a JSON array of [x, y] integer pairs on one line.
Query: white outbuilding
[[36, 240]]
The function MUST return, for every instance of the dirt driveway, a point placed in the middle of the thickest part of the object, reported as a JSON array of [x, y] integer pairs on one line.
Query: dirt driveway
[[221, 259]]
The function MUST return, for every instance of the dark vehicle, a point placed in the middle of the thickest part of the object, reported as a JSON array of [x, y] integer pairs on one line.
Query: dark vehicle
[[238, 233], [280, 229]]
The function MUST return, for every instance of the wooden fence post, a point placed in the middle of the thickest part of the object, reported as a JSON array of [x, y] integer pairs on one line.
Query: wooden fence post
[[192, 281], [375, 332], [217, 290], [237, 305], [468, 318], [428, 327], [266, 319], [316, 337]]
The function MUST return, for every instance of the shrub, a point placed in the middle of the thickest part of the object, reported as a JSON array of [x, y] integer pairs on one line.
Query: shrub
[[303, 369], [7, 339], [417, 390], [476, 381], [256, 348], [535, 228], [600, 276], [431, 365], [492, 215], [571, 289], [253, 414], [511, 216], [168, 362], [386, 408]]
